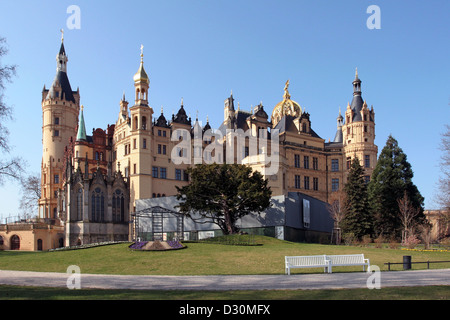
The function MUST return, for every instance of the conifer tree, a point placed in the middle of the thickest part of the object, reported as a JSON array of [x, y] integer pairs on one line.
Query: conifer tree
[[223, 193], [358, 219], [391, 178]]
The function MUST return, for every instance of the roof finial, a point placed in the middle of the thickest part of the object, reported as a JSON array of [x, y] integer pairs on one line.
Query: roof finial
[[62, 35], [142, 52], [356, 73], [161, 109], [182, 101], [286, 96]]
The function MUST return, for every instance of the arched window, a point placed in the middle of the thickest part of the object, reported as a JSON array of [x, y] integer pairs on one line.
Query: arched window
[[144, 123], [135, 126], [15, 242], [97, 205], [79, 210], [97, 156], [118, 206]]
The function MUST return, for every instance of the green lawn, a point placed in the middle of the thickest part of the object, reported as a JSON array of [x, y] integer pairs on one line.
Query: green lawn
[[406, 293], [204, 259]]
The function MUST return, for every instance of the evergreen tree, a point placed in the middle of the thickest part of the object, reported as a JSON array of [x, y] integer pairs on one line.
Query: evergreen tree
[[358, 219], [391, 178]]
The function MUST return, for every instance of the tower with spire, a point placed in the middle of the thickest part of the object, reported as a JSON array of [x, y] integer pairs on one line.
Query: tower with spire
[[358, 132], [60, 109]]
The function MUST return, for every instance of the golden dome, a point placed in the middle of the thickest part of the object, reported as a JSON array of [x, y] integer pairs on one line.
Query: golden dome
[[141, 75], [287, 107]]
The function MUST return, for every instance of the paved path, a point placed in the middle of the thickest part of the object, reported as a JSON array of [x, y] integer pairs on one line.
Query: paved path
[[241, 282]]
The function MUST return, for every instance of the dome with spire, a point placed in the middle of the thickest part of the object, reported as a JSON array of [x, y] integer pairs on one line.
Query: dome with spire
[[141, 75], [286, 107]]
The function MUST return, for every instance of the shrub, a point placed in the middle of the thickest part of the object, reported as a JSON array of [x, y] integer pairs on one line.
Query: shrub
[[411, 241], [349, 238], [379, 241], [366, 240]]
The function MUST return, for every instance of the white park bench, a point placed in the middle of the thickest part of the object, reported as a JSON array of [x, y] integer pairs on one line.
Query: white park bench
[[348, 260], [306, 262], [325, 261]]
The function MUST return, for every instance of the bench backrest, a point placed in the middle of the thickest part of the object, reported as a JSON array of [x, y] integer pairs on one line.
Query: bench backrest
[[346, 259], [306, 260]]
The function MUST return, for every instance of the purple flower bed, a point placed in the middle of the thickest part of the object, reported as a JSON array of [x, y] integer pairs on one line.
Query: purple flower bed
[[138, 245], [175, 244]]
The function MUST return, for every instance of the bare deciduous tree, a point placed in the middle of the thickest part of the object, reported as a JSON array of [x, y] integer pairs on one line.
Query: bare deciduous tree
[[337, 212], [9, 168], [31, 193], [443, 192], [407, 214]]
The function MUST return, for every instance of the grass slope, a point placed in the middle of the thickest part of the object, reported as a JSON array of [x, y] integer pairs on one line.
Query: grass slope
[[203, 259]]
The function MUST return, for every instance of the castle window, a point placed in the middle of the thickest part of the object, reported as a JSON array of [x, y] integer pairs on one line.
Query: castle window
[[135, 126], [177, 174], [118, 206], [97, 205], [334, 185], [315, 184], [56, 120], [163, 173], [367, 161], [56, 178], [134, 168], [56, 133], [315, 163], [334, 165], [144, 144], [79, 210], [155, 172], [97, 156], [297, 182], [297, 160], [144, 123], [306, 162], [306, 183]]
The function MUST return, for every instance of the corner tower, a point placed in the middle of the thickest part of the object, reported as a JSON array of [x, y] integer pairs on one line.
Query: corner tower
[[358, 132], [60, 109], [138, 154]]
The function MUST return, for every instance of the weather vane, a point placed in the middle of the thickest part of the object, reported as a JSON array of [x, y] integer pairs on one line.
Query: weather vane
[[62, 35]]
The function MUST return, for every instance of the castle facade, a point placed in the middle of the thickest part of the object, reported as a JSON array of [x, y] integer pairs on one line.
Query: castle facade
[[90, 182]]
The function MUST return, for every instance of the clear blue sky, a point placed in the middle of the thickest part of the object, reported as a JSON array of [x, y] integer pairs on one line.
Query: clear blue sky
[[201, 50]]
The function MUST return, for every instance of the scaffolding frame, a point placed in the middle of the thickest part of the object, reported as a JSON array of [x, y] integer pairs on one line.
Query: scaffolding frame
[[157, 214]]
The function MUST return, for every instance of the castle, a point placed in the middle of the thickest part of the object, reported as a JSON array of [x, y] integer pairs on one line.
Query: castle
[[90, 182]]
